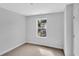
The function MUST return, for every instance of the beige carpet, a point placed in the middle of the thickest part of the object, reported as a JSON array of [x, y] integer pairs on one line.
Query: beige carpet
[[34, 50]]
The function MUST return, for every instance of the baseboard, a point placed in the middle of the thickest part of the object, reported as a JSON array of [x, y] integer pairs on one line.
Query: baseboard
[[12, 48], [43, 45]]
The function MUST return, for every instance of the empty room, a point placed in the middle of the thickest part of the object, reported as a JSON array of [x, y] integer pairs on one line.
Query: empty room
[[39, 29]]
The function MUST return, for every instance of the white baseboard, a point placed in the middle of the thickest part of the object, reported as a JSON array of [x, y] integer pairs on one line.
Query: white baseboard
[[12, 48], [45, 45]]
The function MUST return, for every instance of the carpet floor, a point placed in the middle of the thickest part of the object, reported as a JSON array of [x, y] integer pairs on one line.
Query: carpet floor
[[34, 50]]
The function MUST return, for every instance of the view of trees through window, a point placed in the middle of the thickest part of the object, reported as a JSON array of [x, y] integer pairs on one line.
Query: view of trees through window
[[42, 28]]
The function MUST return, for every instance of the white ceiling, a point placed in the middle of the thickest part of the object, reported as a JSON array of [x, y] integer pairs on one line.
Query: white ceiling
[[34, 8]]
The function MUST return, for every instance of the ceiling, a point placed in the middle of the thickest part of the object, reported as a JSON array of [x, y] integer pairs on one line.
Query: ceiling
[[34, 8]]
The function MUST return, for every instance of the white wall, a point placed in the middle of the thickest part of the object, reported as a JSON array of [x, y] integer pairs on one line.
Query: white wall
[[76, 29], [12, 30], [55, 30]]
